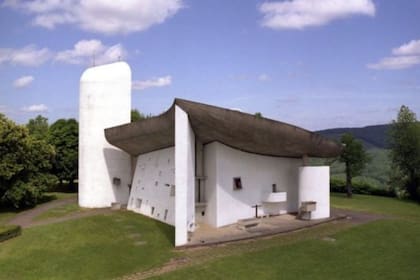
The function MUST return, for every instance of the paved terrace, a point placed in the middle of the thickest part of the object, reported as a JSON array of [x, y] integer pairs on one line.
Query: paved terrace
[[206, 235]]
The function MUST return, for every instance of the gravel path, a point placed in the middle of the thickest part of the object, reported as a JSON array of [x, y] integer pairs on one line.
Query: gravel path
[[26, 218]]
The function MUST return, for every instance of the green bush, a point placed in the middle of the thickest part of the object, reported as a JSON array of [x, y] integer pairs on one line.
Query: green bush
[[9, 231], [361, 185]]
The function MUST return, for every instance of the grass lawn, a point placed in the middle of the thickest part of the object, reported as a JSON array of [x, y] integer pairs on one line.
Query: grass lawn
[[97, 247], [385, 249], [8, 214], [377, 204], [59, 211], [121, 243]]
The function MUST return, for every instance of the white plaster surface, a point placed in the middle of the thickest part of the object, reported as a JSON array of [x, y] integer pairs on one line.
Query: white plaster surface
[[153, 183], [184, 177], [257, 173], [314, 185], [105, 101]]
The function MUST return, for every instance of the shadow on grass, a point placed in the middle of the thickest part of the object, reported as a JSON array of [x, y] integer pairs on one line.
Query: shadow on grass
[[167, 230]]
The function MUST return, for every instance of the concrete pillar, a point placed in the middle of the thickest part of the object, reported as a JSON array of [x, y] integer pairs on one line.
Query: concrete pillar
[[184, 177], [314, 185]]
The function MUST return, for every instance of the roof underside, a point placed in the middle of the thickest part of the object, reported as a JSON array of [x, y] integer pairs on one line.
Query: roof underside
[[233, 128]]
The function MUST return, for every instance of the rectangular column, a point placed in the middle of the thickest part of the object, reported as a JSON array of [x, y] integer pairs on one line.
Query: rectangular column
[[184, 177]]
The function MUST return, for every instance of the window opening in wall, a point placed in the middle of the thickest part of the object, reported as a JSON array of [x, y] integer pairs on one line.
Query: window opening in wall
[[274, 186], [237, 183], [138, 203], [153, 210], [156, 183], [165, 215], [203, 213], [116, 181]]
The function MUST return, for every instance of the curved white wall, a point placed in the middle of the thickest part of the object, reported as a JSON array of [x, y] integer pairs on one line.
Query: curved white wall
[[314, 185], [105, 101], [258, 173]]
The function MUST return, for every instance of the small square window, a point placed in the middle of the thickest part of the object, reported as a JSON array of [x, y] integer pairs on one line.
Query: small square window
[[116, 181], [237, 183]]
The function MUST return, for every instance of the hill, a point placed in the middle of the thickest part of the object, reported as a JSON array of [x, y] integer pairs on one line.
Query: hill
[[374, 136]]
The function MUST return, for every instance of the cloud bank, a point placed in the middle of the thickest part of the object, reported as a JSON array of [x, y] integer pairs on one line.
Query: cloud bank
[[23, 82], [300, 14], [154, 82], [404, 56], [99, 16]]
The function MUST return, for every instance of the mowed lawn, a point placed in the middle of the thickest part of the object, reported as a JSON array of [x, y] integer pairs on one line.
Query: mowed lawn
[[384, 249], [97, 247], [121, 243]]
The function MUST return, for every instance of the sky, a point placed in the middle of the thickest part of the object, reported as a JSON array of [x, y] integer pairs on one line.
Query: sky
[[316, 64]]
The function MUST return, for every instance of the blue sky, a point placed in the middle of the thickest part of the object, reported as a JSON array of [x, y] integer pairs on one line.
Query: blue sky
[[313, 63]]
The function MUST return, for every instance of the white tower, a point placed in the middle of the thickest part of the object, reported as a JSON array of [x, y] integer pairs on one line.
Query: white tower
[[105, 101]]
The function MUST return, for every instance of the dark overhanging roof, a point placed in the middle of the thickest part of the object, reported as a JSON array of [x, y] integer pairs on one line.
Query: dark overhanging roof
[[236, 129]]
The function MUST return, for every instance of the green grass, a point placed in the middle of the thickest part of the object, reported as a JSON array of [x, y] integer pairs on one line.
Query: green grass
[[97, 247], [8, 214], [107, 246], [59, 211], [384, 249], [365, 252], [377, 204], [59, 195]]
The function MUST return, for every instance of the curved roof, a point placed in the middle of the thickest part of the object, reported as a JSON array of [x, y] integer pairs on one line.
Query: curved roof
[[233, 128]]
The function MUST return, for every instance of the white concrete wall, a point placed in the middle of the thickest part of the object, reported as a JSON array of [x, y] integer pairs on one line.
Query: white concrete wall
[[210, 186], [153, 181], [184, 177], [105, 101], [314, 185], [257, 173]]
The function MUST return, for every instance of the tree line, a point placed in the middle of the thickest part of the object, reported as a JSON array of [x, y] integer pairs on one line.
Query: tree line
[[36, 157], [404, 141]]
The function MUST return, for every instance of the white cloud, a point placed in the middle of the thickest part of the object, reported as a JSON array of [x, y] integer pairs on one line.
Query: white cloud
[[395, 63], [155, 82], [86, 51], [404, 56], [299, 14], [26, 56], [35, 108], [263, 77], [23, 81], [106, 17], [411, 48]]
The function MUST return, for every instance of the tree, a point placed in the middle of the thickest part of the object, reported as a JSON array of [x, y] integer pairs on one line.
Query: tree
[[355, 158], [136, 115], [38, 127], [405, 151], [25, 163], [258, 115], [64, 136]]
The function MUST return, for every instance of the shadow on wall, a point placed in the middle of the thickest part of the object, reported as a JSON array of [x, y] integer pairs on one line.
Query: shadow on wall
[[118, 165]]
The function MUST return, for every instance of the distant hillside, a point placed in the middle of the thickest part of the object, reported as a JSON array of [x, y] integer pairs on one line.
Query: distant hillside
[[374, 136]]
